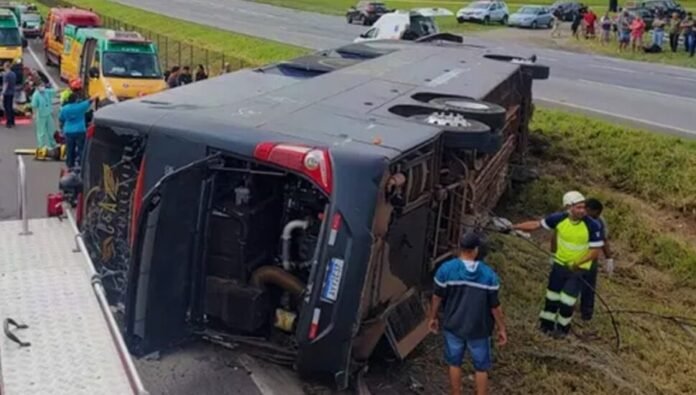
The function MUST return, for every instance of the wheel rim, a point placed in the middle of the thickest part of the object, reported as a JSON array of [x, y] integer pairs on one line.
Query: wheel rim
[[464, 104]]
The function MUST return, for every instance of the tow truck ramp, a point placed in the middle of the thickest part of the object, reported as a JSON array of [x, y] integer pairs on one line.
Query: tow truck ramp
[[59, 334]]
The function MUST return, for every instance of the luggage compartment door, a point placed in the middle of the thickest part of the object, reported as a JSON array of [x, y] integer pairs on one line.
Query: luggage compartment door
[[166, 254]]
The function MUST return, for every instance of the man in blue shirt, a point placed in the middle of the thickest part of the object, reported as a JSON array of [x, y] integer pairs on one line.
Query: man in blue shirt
[[72, 117], [467, 290], [9, 84]]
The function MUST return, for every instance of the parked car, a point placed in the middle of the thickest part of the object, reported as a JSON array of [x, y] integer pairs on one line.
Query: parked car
[[532, 16], [405, 25], [668, 7], [366, 12], [32, 25], [317, 202], [484, 12], [567, 9]]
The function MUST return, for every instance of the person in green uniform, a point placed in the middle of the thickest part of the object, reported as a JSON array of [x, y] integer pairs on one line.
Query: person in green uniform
[[42, 106]]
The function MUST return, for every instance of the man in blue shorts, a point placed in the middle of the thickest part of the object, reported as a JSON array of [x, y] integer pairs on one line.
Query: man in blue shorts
[[467, 290]]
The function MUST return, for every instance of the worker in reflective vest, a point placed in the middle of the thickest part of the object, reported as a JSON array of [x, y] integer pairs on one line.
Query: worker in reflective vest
[[75, 86], [579, 239]]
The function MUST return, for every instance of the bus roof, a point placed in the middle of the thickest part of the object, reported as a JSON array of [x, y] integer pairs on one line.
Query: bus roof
[[347, 108]]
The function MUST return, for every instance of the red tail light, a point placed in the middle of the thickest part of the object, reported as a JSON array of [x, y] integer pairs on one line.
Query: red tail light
[[313, 162], [137, 200], [90, 131]]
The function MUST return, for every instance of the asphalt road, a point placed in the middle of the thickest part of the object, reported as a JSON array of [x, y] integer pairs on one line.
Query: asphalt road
[[657, 97], [42, 177]]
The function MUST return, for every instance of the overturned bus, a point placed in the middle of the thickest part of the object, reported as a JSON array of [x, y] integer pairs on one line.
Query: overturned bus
[[306, 202]]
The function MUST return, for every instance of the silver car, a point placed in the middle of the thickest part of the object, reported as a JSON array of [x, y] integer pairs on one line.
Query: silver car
[[532, 16], [484, 12]]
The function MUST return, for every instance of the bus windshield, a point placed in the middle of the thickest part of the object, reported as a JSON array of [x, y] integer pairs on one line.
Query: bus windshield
[[9, 37], [131, 65]]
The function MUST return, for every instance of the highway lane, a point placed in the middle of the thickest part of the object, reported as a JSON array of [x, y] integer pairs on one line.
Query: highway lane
[[657, 97], [42, 176]]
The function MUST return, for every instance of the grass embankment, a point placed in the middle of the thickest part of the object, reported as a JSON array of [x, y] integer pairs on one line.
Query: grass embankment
[[648, 186], [251, 50]]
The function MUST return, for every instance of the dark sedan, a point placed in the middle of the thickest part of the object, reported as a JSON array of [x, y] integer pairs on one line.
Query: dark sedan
[[566, 9]]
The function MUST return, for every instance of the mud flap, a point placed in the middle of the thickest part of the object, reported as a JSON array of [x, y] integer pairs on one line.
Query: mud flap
[[407, 324]]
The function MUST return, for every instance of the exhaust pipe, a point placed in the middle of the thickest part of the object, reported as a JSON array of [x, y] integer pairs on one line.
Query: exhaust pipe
[[273, 275], [287, 238]]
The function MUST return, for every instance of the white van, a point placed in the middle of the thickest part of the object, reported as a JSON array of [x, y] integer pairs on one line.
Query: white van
[[405, 25]]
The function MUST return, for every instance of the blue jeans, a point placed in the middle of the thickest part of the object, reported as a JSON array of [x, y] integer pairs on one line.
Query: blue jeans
[[658, 37], [75, 146], [480, 350], [691, 43]]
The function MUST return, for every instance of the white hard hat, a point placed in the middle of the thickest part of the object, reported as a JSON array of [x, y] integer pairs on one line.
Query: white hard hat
[[572, 198]]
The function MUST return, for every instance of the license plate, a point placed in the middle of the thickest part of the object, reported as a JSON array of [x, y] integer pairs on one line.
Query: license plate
[[332, 282]]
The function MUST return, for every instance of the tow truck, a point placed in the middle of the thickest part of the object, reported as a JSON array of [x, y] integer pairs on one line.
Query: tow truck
[[59, 334]]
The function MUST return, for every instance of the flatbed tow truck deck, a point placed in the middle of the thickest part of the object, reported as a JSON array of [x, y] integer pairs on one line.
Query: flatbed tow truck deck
[[71, 344]]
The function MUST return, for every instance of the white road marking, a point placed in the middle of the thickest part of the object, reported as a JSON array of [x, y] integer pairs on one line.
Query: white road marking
[[43, 68], [620, 69], [639, 91], [632, 119]]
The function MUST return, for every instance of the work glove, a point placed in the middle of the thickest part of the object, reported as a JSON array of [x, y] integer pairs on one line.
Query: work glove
[[609, 266], [503, 225]]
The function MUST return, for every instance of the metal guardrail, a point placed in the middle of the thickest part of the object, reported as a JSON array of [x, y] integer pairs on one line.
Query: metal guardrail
[[133, 375], [22, 195]]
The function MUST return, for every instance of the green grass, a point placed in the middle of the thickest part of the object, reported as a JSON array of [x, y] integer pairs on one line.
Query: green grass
[[250, 50], [652, 167], [624, 167]]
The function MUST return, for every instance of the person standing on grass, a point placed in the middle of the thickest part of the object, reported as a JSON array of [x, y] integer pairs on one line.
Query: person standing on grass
[[579, 240], [467, 291], [577, 21], [658, 32], [589, 21], [173, 79], [9, 85], [201, 73], [637, 31], [674, 29], [587, 295], [42, 107], [73, 118], [605, 25], [185, 77], [687, 27], [624, 26], [556, 31]]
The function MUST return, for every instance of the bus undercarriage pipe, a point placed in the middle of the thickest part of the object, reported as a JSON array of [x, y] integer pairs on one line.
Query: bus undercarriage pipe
[[273, 275], [287, 238]]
